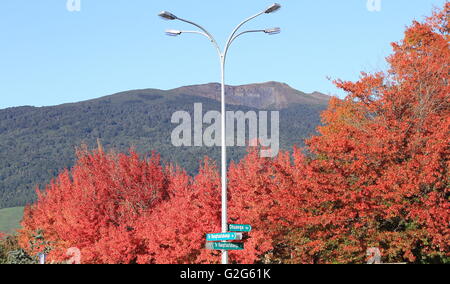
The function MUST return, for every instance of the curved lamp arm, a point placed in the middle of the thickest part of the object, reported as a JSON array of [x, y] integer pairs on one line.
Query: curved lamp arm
[[205, 32], [176, 33], [232, 36], [243, 33]]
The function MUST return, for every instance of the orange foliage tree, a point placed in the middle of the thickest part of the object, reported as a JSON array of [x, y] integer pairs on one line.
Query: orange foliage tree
[[381, 162], [95, 208]]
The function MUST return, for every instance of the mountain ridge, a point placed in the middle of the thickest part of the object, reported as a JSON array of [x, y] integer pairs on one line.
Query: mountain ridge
[[272, 94], [267, 95]]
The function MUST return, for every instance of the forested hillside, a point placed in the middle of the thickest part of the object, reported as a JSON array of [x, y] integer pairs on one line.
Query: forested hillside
[[37, 143]]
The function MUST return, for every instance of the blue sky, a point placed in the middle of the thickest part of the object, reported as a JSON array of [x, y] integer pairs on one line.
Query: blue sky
[[50, 56]]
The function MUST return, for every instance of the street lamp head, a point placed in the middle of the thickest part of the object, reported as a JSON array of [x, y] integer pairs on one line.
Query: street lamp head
[[275, 7], [272, 31], [167, 16], [173, 32]]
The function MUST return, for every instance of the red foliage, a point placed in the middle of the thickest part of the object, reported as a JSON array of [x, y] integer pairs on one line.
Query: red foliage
[[175, 231], [252, 197], [95, 208], [383, 162]]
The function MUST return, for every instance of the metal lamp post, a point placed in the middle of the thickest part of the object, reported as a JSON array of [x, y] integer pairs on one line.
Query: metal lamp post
[[223, 54]]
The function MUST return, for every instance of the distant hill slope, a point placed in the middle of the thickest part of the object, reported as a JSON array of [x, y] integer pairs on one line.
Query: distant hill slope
[[37, 143], [10, 219]]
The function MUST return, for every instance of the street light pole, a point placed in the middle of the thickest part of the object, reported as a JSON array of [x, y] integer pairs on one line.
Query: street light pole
[[223, 55], [224, 159]]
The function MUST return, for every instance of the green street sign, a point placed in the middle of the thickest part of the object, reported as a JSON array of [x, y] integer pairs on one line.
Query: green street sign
[[224, 237], [225, 246], [239, 228]]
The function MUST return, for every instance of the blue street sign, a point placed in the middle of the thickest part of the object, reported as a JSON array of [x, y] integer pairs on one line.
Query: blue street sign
[[239, 228], [224, 237], [225, 246]]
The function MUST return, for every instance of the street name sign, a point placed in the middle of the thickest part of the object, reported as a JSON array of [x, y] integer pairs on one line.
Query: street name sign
[[224, 237], [225, 246], [239, 228]]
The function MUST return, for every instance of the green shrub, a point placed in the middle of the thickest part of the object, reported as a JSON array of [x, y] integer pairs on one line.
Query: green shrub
[[12, 253]]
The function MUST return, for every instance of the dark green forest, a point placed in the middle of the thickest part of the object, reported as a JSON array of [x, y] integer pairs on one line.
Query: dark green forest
[[37, 143]]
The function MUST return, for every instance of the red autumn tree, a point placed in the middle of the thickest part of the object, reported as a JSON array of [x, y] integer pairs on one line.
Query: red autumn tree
[[381, 162], [175, 232], [279, 198], [96, 206]]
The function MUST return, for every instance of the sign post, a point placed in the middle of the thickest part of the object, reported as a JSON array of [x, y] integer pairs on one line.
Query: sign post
[[221, 242]]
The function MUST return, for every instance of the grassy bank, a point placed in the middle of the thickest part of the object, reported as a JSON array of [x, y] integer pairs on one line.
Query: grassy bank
[[10, 219]]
